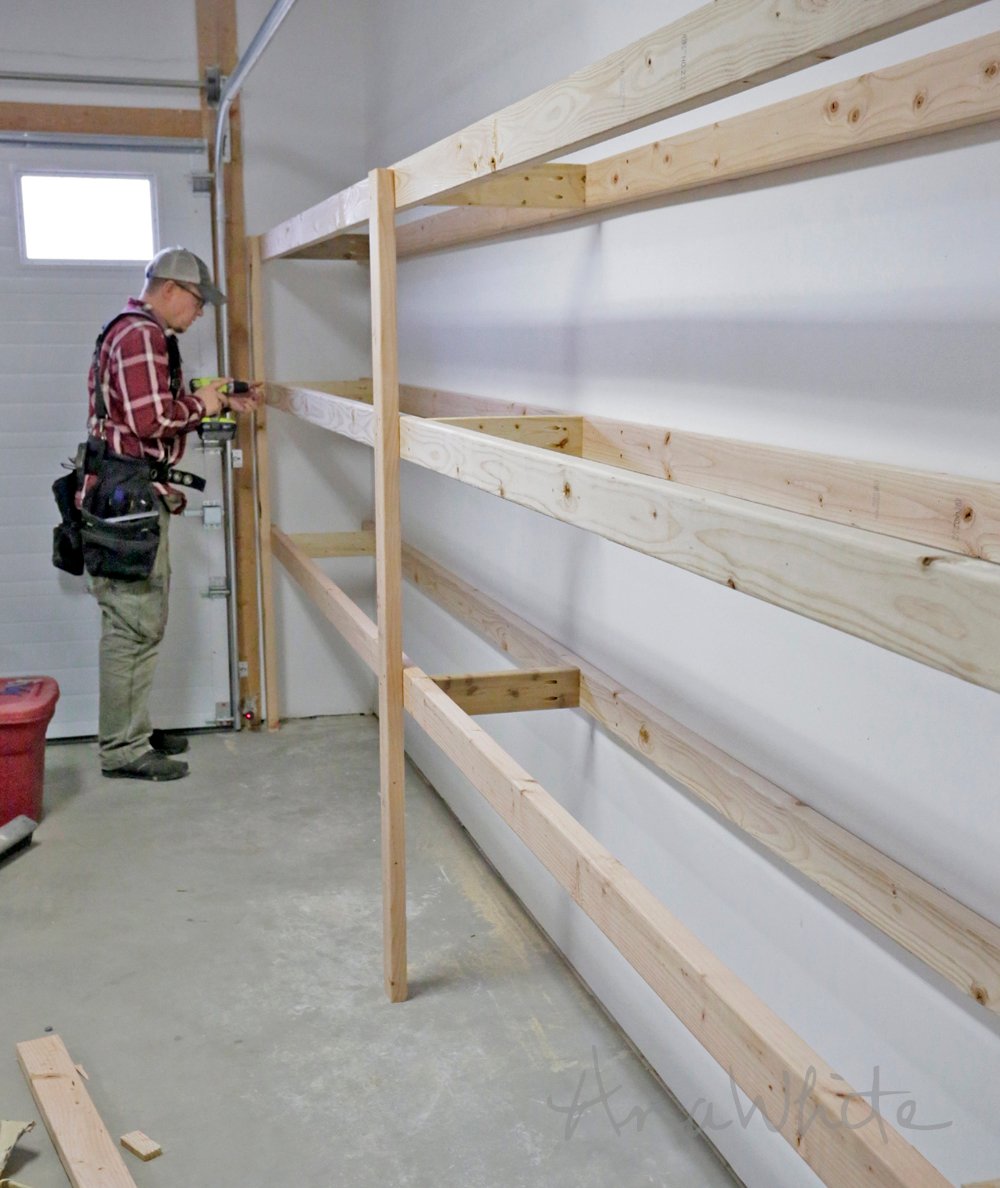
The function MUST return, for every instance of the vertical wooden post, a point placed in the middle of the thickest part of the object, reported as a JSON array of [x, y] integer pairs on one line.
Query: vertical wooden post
[[388, 571], [257, 368], [217, 46]]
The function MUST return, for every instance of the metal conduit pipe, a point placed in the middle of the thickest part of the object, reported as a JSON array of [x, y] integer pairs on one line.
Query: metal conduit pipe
[[230, 90], [103, 80]]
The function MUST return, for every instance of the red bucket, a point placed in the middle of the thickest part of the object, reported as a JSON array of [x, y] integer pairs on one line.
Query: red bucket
[[26, 708]]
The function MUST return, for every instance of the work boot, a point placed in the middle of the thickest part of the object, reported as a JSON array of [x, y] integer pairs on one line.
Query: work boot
[[151, 766], [167, 743]]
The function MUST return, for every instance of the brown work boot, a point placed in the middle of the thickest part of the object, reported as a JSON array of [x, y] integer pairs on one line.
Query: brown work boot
[[151, 766]]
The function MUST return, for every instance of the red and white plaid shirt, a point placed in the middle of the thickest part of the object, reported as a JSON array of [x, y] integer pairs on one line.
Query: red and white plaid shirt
[[144, 419]]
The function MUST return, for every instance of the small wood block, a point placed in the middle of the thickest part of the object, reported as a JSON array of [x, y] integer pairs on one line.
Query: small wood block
[[512, 689], [141, 1144]]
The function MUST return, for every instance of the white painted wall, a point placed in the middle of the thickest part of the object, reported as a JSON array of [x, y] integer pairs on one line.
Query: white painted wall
[[847, 308], [304, 139]]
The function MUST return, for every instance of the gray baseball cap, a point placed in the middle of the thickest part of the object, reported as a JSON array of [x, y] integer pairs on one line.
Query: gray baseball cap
[[178, 264]]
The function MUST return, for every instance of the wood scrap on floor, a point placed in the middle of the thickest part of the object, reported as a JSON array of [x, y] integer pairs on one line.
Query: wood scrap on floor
[[141, 1144], [10, 1132], [88, 1153]]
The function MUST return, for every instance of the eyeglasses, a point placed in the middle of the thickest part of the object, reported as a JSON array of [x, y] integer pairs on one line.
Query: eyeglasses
[[194, 293]]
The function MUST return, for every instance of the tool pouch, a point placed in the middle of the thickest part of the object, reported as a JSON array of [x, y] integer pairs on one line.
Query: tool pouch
[[67, 541], [121, 521]]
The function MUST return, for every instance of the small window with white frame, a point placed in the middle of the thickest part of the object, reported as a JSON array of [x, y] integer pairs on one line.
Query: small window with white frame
[[86, 218]]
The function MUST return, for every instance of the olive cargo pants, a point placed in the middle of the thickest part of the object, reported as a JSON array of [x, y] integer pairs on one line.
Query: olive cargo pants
[[133, 620]]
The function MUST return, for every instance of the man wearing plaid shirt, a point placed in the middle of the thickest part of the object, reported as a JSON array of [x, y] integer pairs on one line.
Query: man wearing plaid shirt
[[148, 416]]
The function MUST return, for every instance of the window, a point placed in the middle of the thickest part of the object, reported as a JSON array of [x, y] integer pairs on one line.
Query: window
[[86, 217]]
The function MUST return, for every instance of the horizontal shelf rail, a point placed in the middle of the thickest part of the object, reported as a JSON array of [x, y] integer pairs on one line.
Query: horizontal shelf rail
[[310, 230], [719, 49], [938, 608], [949, 937], [763, 1055], [942, 511], [953, 88]]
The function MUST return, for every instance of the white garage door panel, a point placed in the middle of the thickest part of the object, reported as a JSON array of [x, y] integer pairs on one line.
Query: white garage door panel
[[21, 416], [49, 318]]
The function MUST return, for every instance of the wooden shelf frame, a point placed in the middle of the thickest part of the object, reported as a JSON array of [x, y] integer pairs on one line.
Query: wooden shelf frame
[[953, 88], [956, 513], [768, 1060], [956, 942], [926, 599], [903, 559]]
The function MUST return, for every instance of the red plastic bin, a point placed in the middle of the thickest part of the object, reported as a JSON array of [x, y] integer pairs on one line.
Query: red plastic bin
[[26, 708]]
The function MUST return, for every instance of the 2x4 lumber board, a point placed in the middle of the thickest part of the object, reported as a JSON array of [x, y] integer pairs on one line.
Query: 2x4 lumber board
[[949, 937], [79, 119], [938, 510], [341, 212], [717, 50], [564, 434], [342, 246], [352, 623], [388, 579], [217, 46], [88, 1152], [510, 692], [952, 512], [437, 404], [952, 88], [764, 1056], [353, 389], [431, 402], [340, 414], [335, 544], [938, 609], [552, 186], [768, 1060], [269, 625]]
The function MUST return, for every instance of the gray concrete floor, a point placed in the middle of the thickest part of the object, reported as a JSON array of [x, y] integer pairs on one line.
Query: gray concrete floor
[[210, 952]]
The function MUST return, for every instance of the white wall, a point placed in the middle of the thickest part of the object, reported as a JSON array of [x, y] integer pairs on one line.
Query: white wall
[[847, 308], [303, 123]]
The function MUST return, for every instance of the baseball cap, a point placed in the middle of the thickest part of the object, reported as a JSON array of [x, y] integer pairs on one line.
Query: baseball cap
[[178, 264]]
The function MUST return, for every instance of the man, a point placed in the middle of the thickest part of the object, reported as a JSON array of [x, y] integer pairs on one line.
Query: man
[[139, 409]]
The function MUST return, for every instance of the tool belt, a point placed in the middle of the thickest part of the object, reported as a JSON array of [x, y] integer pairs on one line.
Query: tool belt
[[121, 512], [117, 531]]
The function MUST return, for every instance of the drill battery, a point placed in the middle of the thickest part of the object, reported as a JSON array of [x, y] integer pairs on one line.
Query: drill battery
[[222, 426]]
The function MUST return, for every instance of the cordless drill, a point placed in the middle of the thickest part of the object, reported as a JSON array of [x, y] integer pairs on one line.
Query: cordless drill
[[222, 426]]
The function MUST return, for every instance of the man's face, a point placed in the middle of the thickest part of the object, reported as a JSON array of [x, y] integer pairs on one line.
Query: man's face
[[184, 305]]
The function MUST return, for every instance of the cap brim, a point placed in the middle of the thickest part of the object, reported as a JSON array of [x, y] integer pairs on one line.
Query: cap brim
[[212, 295]]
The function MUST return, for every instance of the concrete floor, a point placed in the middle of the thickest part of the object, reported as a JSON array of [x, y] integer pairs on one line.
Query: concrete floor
[[210, 952]]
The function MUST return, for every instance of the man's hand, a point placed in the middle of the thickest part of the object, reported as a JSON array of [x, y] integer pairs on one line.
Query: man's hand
[[211, 395], [248, 402]]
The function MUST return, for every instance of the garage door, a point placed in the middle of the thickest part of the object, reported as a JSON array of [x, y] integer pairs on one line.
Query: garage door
[[50, 313]]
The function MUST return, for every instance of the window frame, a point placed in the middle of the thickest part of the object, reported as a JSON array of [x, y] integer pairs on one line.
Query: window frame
[[70, 262]]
